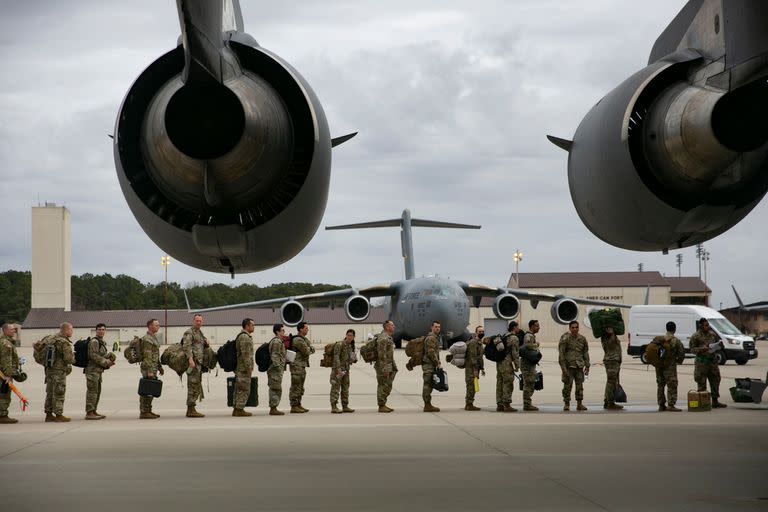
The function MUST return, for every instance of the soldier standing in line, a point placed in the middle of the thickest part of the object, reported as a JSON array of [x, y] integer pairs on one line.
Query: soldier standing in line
[[9, 365], [506, 368], [56, 374], [385, 365], [574, 362], [473, 365], [276, 369], [528, 368], [150, 366], [304, 349], [705, 366], [612, 362], [342, 352], [99, 359], [666, 370], [244, 368], [430, 364], [193, 343]]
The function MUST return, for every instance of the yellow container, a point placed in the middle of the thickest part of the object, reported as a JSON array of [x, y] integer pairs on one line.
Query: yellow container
[[699, 401]]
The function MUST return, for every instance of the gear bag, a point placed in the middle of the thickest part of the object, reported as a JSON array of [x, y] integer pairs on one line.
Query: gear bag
[[263, 357], [415, 350], [209, 359], [227, 356], [532, 356], [656, 351], [369, 352], [174, 358], [132, 352], [327, 360], [439, 380], [40, 349], [81, 353], [494, 354]]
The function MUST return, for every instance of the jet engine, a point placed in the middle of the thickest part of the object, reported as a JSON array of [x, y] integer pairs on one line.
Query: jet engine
[[506, 306], [564, 311], [291, 313], [222, 149], [678, 153], [357, 308]]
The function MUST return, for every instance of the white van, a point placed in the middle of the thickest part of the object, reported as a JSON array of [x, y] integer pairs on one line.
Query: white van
[[647, 322]]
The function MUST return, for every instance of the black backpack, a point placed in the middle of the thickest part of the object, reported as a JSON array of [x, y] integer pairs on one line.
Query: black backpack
[[227, 356], [492, 353], [81, 352], [263, 357]]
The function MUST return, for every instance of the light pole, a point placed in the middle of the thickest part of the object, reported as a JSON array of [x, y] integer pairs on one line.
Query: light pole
[[705, 257], [164, 261], [517, 257], [699, 254], [679, 265]]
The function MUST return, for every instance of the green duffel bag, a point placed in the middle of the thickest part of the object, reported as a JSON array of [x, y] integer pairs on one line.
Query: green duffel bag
[[599, 319], [174, 358]]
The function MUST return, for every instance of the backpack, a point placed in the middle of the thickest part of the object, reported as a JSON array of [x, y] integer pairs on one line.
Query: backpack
[[263, 357], [174, 358], [532, 356], [40, 350], [227, 356], [415, 350], [369, 351], [133, 353], [81, 352], [656, 351], [327, 360], [209, 360], [492, 353]]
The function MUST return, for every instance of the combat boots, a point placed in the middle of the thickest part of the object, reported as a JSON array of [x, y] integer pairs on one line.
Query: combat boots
[[241, 412], [580, 406], [5, 420], [60, 418], [101, 416], [662, 407], [153, 414], [567, 406], [471, 407], [718, 405], [346, 408], [49, 417], [147, 416], [335, 409], [274, 412], [192, 412], [672, 408], [384, 408], [428, 407], [499, 408], [508, 408], [613, 407], [91, 415], [295, 409], [303, 409], [530, 408]]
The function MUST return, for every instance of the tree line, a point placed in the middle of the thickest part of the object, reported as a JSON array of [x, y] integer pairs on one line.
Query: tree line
[[122, 292]]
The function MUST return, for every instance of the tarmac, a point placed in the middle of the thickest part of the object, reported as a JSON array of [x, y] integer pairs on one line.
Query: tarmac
[[637, 459]]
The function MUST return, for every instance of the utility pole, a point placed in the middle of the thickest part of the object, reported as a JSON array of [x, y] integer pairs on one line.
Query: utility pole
[[679, 265], [165, 260], [705, 257], [639, 267], [699, 253]]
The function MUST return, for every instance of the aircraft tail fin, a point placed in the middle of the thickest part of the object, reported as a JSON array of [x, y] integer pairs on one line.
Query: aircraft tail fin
[[738, 299]]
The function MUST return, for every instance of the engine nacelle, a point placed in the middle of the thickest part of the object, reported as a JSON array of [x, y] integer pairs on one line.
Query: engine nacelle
[[564, 311], [357, 308], [506, 306], [225, 177], [291, 313]]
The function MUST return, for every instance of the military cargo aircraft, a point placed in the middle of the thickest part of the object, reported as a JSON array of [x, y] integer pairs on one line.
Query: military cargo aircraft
[[678, 153], [221, 147], [412, 304]]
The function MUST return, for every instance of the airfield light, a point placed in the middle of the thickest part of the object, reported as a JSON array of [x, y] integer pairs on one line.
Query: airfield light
[[164, 261], [517, 257]]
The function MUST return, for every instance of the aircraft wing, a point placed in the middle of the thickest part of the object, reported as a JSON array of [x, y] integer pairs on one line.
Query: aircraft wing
[[474, 290]]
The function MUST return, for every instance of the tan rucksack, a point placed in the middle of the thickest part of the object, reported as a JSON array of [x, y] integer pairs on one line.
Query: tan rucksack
[[132, 352], [369, 351], [656, 352], [174, 358], [327, 360], [415, 350], [40, 348]]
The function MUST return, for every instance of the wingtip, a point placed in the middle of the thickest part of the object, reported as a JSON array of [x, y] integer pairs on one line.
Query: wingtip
[[337, 141], [561, 143]]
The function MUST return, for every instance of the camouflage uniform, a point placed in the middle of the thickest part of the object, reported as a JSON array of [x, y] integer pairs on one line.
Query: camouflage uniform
[[472, 366], [243, 370], [528, 369], [705, 367], [299, 366], [573, 359], [666, 372], [341, 354], [431, 361], [275, 371], [98, 361], [612, 362], [193, 343], [385, 364], [150, 366], [9, 364], [56, 375], [505, 370]]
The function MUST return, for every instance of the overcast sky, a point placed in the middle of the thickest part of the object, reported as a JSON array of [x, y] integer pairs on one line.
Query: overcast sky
[[452, 99]]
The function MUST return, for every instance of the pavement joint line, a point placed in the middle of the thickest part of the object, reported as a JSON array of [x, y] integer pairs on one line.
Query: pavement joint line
[[49, 438]]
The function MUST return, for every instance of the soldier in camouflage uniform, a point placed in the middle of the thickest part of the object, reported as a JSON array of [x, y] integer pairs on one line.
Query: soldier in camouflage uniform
[[705, 367], [473, 366], [612, 362], [430, 364], [193, 343], [385, 365], [527, 368], [9, 365], [276, 369], [56, 375], [574, 362], [342, 352], [150, 366], [244, 368], [506, 368], [666, 371], [98, 361], [303, 348]]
